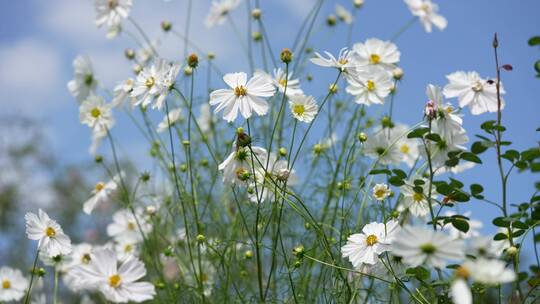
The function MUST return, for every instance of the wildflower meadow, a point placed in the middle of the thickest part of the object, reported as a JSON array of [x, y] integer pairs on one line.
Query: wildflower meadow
[[261, 151]]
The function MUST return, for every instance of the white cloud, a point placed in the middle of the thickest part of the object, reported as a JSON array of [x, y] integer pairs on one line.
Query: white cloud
[[30, 75]]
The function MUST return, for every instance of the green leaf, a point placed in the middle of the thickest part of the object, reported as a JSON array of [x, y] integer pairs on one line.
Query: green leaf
[[476, 189], [537, 66], [418, 133], [534, 41], [400, 173], [520, 225], [501, 222], [478, 147], [396, 181], [500, 236], [380, 171], [488, 126], [461, 225], [433, 137], [470, 157], [511, 155]]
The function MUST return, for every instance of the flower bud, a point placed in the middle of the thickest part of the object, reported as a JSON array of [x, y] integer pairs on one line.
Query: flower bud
[[386, 122], [299, 251], [129, 53], [188, 71], [201, 238], [145, 176], [248, 254], [40, 272], [282, 151], [331, 20], [137, 68], [358, 3], [193, 60], [166, 25], [98, 159], [362, 137], [151, 210], [257, 36], [286, 55], [397, 73], [430, 110], [333, 88], [511, 251], [242, 139], [256, 13], [210, 55]]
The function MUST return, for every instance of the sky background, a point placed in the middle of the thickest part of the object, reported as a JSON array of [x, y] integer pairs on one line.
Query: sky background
[[39, 40]]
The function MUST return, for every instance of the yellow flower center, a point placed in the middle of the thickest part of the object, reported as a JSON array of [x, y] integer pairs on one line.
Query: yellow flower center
[[371, 240], [6, 284], [374, 58], [462, 272], [417, 197], [240, 91], [50, 232], [283, 82], [299, 109], [95, 112], [150, 81], [128, 248], [343, 61], [131, 226], [380, 193], [404, 149], [115, 280], [100, 186], [370, 85], [448, 109], [86, 258], [477, 86]]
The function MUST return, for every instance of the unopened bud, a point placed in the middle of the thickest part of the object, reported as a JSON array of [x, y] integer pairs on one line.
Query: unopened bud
[[333, 89], [210, 56], [137, 68], [129, 53], [358, 3], [397, 73], [242, 139], [286, 55], [257, 36], [248, 254], [362, 137], [430, 111], [256, 13], [331, 20], [507, 67], [193, 61], [512, 251], [151, 210], [282, 151], [201, 238], [188, 71], [166, 25]]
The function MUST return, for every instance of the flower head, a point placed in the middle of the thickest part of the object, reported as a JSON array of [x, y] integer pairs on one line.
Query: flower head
[[344, 62], [381, 192], [118, 284], [471, 90], [101, 194], [219, 12], [369, 85], [426, 11], [51, 237], [96, 114], [84, 82], [243, 96], [365, 247], [12, 284], [304, 108], [377, 52], [419, 245]]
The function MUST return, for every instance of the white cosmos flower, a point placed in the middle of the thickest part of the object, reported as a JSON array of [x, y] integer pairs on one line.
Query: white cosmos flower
[[381, 192], [117, 284], [12, 284], [426, 11], [50, 235], [60, 262], [380, 145], [420, 245], [124, 250], [154, 83], [489, 271], [174, 116], [345, 61], [365, 247], [237, 167], [474, 227], [417, 203], [219, 12], [124, 227], [101, 194], [304, 108], [280, 80], [377, 52], [84, 83], [122, 92], [96, 114], [460, 292], [439, 150], [243, 96], [343, 14], [485, 246], [369, 85], [407, 147], [473, 91], [447, 120], [111, 12]]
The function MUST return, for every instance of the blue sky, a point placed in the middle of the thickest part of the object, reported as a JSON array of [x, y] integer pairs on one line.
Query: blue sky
[[39, 39]]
